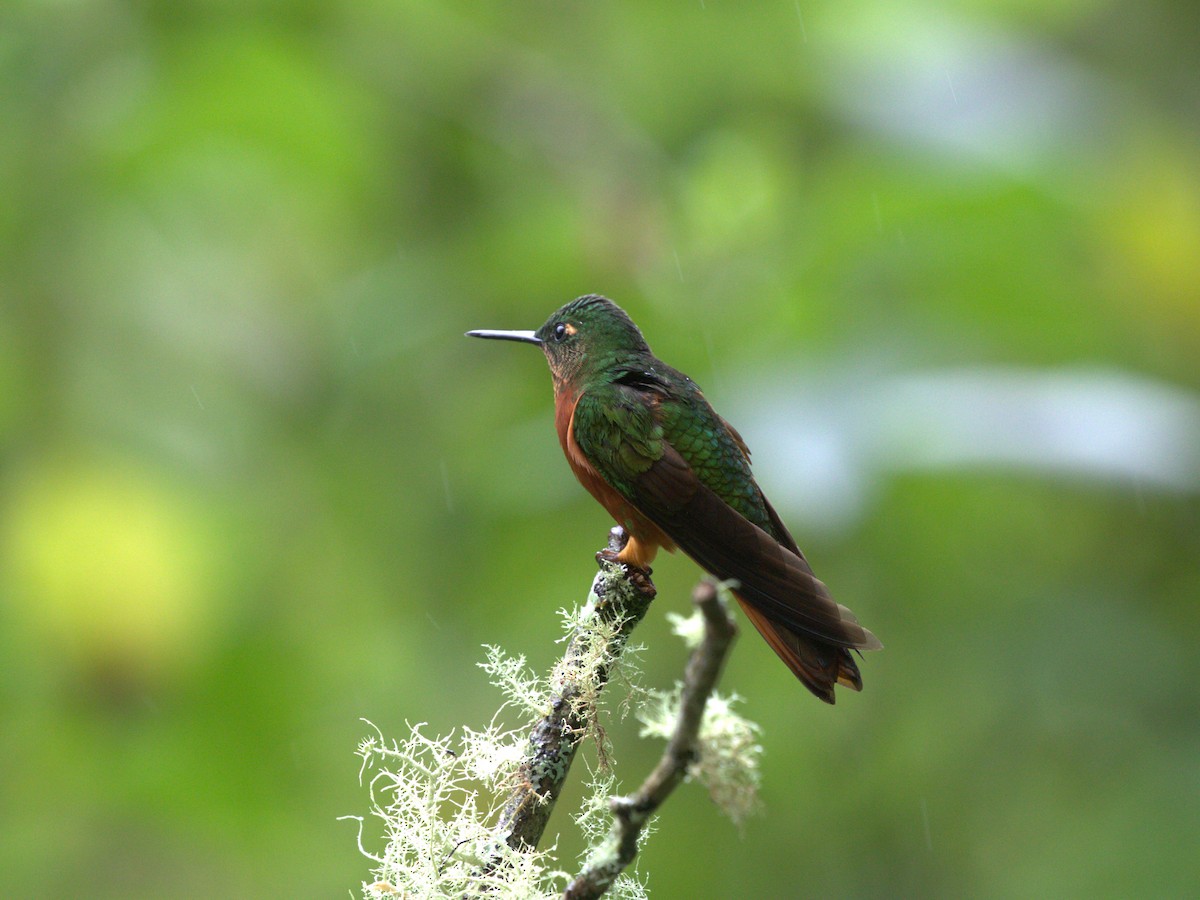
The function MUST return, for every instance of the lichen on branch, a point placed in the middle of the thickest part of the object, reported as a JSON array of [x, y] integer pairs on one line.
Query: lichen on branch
[[464, 816]]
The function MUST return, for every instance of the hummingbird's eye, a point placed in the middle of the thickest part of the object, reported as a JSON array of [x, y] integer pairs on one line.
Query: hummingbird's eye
[[561, 331]]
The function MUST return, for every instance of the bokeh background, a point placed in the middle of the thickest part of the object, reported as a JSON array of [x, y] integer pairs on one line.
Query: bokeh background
[[939, 262]]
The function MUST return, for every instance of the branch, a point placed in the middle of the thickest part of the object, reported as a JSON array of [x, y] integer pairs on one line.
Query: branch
[[620, 599], [437, 795], [630, 814]]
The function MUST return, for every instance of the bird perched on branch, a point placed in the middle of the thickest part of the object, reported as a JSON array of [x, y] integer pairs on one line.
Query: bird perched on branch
[[643, 440]]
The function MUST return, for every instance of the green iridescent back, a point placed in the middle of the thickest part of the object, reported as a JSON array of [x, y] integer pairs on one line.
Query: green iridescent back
[[623, 435], [702, 438]]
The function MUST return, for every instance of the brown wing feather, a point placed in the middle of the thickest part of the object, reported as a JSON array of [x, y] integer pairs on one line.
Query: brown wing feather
[[818, 665], [773, 578]]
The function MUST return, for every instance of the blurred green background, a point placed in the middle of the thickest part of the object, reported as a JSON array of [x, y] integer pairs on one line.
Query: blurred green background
[[939, 262]]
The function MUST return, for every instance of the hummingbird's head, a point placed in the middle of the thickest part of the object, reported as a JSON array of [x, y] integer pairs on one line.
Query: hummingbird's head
[[582, 340]]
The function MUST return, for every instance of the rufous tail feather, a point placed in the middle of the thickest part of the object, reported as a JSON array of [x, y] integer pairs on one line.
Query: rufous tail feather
[[818, 665]]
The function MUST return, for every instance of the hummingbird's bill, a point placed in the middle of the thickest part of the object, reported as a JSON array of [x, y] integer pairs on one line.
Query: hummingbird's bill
[[525, 337]]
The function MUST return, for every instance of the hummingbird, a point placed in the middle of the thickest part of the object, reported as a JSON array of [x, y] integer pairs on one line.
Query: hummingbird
[[643, 440]]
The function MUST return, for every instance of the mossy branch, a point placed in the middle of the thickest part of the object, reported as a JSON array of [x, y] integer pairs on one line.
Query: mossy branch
[[619, 601], [630, 814], [464, 816]]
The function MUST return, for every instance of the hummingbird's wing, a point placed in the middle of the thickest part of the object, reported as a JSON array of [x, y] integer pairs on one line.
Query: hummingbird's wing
[[680, 466]]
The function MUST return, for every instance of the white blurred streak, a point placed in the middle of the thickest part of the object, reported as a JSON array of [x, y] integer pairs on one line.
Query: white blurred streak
[[820, 446], [970, 91]]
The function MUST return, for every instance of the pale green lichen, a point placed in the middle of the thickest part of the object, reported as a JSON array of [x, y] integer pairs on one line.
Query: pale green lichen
[[727, 751], [594, 820], [688, 628], [436, 797], [597, 648], [439, 797], [520, 685]]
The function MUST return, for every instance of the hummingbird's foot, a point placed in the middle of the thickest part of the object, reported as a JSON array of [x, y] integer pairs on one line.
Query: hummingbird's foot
[[639, 577], [617, 539], [613, 557]]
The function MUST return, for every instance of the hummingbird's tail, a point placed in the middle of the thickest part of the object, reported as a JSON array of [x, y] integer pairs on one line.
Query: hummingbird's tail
[[819, 665]]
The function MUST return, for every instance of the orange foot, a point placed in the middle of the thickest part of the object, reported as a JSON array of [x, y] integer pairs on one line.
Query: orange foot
[[638, 576]]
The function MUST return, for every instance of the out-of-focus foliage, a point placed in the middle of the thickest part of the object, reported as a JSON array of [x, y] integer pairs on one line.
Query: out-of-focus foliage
[[255, 485]]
